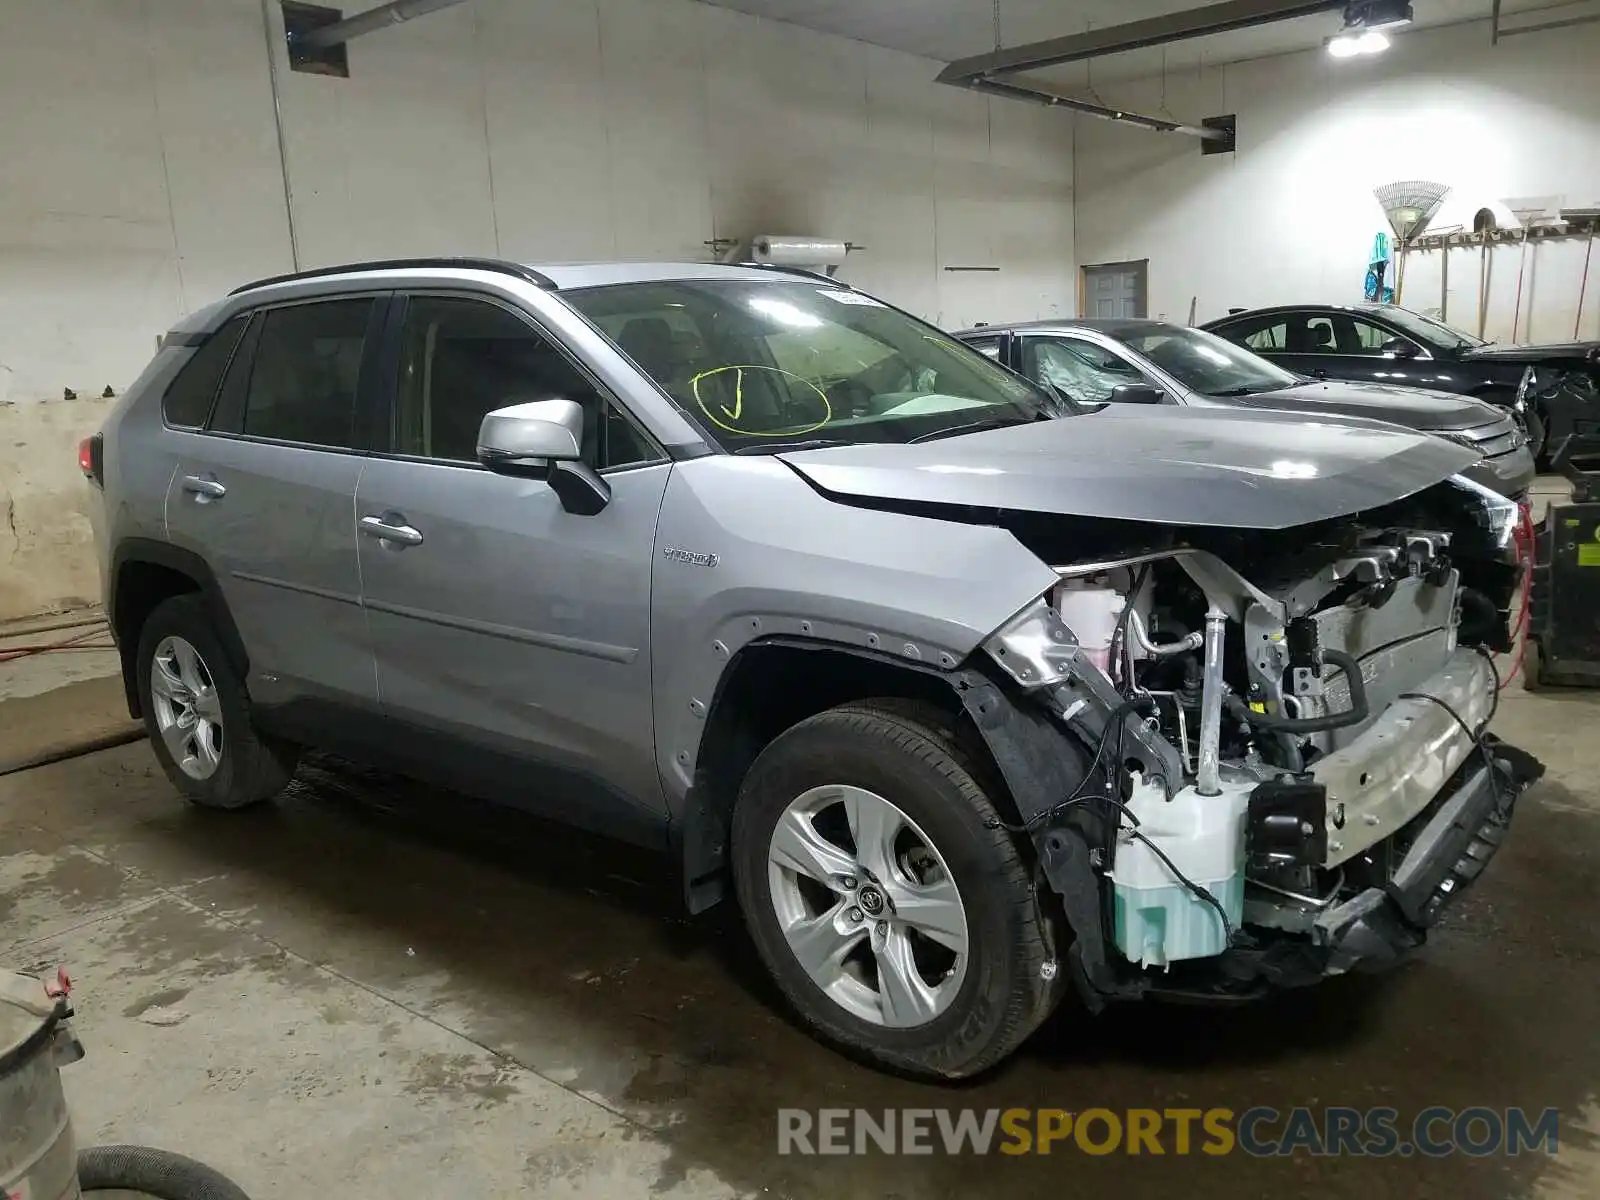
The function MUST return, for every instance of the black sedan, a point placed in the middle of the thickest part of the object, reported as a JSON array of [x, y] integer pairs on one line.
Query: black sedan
[[1097, 362], [1555, 388]]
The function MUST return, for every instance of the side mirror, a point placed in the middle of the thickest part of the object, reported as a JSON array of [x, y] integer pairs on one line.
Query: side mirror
[[1136, 393], [551, 430], [1398, 348], [543, 439]]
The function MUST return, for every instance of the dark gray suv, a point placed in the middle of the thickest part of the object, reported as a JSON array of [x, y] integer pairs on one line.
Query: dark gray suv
[[969, 701]]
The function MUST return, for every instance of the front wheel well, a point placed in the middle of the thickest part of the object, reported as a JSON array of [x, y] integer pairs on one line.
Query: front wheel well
[[770, 687]]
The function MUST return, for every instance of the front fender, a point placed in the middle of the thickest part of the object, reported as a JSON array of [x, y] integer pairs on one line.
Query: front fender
[[747, 550]]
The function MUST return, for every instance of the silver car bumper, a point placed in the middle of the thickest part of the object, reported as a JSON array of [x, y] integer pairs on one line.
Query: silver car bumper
[[1403, 760]]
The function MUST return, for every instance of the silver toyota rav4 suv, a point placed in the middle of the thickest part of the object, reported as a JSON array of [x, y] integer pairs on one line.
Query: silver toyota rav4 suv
[[970, 700]]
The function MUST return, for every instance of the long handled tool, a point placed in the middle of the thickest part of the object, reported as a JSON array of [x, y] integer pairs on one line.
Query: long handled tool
[[1583, 284], [1409, 204]]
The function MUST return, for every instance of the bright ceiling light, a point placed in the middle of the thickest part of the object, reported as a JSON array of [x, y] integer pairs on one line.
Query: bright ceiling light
[[1351, 45], [1363, 20]]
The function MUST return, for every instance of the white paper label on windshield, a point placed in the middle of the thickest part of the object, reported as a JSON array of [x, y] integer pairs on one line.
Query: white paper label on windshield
[[843, 296]]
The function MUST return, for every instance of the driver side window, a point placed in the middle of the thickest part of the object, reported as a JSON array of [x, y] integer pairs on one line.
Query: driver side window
[[1084, 371], [1372, 339], [461, 359]]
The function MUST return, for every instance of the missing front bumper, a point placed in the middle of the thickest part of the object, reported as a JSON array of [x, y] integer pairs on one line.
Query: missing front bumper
[[1436, 857], [1446, 849]]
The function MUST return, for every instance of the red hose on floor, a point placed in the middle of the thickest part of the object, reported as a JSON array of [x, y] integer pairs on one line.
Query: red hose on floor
[[77, 642]]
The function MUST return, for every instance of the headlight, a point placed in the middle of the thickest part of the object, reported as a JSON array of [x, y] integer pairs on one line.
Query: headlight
[[1498, 515]]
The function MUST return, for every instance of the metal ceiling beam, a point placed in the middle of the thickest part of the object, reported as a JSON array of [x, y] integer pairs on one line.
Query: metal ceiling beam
[[1505, 31], [370, 22], [1039, 92], [1135, 35]]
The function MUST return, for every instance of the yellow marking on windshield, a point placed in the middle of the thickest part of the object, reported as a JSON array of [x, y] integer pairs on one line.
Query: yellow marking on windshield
[[730, 417]]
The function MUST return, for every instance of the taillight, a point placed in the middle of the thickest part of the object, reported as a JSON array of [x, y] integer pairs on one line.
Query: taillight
[[91, 458]]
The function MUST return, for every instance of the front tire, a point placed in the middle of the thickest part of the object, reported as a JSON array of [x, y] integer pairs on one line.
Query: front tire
[[897, 918], [198, 715]]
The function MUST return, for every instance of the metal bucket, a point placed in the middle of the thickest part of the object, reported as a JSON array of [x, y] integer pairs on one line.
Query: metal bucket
[[38, 1158]]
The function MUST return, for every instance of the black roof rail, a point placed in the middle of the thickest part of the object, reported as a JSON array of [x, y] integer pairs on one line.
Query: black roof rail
[[527, 274], [807, 271]]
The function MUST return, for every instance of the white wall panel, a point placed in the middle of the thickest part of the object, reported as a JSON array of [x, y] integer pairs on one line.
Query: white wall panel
[[547, 127], [657, 130], [140, 178], [393, 160], [1291, 216]]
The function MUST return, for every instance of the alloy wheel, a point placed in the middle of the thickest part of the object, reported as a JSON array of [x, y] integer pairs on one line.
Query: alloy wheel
[[188, 712], [868, 906]]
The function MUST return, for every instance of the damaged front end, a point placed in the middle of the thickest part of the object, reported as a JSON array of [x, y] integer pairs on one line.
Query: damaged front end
[[1280, 766]]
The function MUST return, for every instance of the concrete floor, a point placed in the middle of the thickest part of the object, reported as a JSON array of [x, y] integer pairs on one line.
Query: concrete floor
[[39, 673], [374, 989]]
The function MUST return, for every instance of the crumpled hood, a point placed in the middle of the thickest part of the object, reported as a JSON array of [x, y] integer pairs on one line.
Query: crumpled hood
[[1411, 407], [1171, 466], [1581, 351]]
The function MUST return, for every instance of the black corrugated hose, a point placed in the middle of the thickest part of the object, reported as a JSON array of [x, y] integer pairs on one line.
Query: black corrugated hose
[[1354, 715], [159, 1174]]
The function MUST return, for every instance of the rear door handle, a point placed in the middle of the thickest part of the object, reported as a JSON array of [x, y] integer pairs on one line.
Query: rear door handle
[[390, 527], [204, 487]]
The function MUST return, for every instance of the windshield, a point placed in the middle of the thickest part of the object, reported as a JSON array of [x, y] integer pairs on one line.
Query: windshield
[[1430, 329], [1203, 362], [762, 364]]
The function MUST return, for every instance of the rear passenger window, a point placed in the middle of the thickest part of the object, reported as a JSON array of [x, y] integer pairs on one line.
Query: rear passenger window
[[305, 371], [1272, 337], [187, 403]]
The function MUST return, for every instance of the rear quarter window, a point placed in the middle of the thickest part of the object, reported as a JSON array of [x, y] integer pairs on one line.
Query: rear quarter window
[[189, 397]]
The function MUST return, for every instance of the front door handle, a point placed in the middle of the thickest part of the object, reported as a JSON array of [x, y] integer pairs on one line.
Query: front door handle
[[204, 487], [391, 527]]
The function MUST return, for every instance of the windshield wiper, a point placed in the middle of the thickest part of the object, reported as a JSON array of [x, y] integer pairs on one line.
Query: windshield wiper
[[781, 447], [1066, 404], [1241, 390], [977, 427]]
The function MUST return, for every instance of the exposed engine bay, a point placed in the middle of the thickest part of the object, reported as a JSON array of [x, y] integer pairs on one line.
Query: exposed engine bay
[[1289, 771]]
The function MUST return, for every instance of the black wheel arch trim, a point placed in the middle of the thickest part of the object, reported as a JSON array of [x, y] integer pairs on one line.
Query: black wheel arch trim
[[1038, 762], [149, 551], [698, 830], [1042, 764]]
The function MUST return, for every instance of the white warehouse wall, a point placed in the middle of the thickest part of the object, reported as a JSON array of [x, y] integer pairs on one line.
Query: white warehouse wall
[[140, 178], [1291, 217]]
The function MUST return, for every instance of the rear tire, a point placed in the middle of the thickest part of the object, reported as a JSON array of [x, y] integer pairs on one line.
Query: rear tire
[[980, 1002], [198, 715]]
